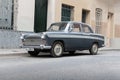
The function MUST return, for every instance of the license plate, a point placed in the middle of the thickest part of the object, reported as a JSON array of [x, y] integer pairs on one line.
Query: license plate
[[30, 49]]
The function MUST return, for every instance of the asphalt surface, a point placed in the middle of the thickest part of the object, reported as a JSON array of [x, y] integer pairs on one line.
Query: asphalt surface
[[82, 66]]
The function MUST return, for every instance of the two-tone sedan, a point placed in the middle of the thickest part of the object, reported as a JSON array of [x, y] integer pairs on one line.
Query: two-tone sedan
[[63, 37]]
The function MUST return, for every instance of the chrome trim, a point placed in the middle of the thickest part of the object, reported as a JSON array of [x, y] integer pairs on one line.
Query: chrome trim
[[42, 47], [103, 45], [75, 36]]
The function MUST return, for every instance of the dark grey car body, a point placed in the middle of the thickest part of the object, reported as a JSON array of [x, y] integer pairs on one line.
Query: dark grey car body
[[71, 40]]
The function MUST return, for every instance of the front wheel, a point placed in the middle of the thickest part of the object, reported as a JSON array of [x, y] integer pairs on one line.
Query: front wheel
[[94, 49], [57, 49]]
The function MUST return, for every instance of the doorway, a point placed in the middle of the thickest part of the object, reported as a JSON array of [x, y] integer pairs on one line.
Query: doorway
[[110, 29], [40, 21], [85, 16]]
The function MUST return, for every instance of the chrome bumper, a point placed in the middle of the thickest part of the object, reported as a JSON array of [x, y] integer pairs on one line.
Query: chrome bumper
[[103, 45], [42, 47]]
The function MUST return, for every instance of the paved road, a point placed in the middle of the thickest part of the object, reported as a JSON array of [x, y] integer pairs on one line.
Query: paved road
[[105, 66]]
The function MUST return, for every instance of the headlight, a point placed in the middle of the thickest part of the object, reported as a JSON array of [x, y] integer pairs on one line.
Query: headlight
[[43, 40], [22, 38], [43, 36]]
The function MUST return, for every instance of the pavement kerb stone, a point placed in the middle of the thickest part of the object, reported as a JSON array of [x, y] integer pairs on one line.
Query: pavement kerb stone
[[12, 52], [109, 49]]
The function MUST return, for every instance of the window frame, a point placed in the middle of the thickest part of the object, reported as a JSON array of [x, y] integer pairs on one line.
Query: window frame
[[68, 9], [91, 31], [98, 17], [71, 28]]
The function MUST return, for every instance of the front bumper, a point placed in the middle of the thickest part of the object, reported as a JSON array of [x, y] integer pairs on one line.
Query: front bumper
[[42, 47], [103, 45]]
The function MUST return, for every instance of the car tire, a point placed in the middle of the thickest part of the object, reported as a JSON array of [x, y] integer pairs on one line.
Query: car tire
[[33, 53], [94, 49], [57, 49], [71, 52]]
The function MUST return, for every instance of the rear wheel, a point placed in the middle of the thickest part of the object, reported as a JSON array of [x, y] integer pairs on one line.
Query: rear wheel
[[57, 49], [34, 53], [94, 49]]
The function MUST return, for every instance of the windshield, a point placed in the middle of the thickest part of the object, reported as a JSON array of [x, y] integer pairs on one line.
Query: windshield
[[57, 27]]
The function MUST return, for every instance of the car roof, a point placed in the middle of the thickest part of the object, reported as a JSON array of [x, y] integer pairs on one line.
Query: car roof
[[71, 22]]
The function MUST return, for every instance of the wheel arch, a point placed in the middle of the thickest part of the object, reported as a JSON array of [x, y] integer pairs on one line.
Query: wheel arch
[[95, 42], [59, 41], [91, 50], [53, 44]]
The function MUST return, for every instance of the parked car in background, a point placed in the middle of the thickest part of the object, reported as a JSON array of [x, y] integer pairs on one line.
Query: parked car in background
[[63, 37]]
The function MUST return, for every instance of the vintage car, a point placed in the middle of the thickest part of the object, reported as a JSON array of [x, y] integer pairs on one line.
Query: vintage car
[[63, 37]]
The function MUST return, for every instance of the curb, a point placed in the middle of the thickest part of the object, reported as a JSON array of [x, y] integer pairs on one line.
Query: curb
[[12, 52], [109, 49], [17, 52]]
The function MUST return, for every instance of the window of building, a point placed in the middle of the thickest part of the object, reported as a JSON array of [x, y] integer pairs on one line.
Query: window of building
[[85, 16], [67, 13], [110, 28], [98, 20]]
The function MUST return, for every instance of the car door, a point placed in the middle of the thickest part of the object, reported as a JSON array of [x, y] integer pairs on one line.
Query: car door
[[87, 35], [75, 36]]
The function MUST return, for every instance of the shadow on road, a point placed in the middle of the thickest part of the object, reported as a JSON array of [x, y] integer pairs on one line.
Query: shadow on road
[[47, 55]]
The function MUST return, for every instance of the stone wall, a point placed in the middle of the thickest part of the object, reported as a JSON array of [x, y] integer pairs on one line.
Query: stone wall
[[115, 43], [10, 39]]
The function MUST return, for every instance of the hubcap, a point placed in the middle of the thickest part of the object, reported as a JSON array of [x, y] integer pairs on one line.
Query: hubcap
[[58, 49], [95, 48]]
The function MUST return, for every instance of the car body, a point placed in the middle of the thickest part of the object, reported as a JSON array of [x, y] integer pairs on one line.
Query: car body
[[62, 37]]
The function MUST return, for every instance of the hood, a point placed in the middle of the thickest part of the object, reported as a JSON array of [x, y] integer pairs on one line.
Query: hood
[[32, 36]]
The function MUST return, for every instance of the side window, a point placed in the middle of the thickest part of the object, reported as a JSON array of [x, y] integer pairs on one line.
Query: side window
[[86, 28], [76, 27]]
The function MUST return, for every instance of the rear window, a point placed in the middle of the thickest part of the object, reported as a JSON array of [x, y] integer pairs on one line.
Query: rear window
[[86, 28]]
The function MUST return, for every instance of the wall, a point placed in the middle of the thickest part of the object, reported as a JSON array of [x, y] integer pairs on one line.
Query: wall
[[51, 12], [115, 43], [10, 39], [15, 15], [117, 19], [25, 20]]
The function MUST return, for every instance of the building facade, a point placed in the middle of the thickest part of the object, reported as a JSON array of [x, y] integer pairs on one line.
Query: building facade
[[37, 15], [102, 15]]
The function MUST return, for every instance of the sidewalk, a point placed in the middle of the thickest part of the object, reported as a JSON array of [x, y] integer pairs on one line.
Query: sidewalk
[[109, 49], [12, 52], [8, 52]]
